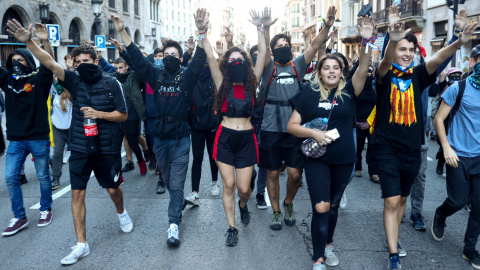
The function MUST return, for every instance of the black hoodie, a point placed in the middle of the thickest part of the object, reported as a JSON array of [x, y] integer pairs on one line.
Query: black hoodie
[[26, 100]]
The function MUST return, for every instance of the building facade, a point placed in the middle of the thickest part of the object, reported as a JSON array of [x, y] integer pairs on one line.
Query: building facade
[[76, 22], [293, 23]]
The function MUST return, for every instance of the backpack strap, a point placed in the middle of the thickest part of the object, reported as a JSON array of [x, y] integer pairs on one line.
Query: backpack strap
[[461, 90]]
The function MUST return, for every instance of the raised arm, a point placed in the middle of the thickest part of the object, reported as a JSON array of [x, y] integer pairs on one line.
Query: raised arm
[[228, 37], [120, 27], [41, 32], [259, 66], [396, 33], [366, 29], [442, 55], [188, 54], [321, 38], [25, 36], [267, 21], [212, 63]]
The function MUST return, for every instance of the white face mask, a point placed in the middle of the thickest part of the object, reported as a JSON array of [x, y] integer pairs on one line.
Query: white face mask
[[416, 60]]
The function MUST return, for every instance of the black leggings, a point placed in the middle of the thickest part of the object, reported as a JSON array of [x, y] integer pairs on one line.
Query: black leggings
[[199, 138], [132, 130], [326, 183]]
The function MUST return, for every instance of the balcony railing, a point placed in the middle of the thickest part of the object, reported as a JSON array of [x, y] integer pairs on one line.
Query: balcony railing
[[408, 8]]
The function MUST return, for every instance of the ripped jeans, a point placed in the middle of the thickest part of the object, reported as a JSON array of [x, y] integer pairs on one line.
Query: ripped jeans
[[326, 183]]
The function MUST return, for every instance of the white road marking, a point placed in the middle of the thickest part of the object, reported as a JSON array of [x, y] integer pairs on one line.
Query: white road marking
[[63, 191], [267, 199], [429, 159]]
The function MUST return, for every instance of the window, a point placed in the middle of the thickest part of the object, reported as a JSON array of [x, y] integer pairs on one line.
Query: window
[[184, 31], [125, 5], [178, 17], [151, 10], [135, 7], [111, 3], [166, 14], [298, 21], [179, 30], [173, 15], [183, 17]]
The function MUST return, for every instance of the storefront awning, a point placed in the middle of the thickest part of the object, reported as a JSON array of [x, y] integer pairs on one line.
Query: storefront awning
[[438, 41]]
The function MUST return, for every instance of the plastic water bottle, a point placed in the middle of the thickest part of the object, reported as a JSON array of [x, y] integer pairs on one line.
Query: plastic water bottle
[[91, 133], [318, 123]]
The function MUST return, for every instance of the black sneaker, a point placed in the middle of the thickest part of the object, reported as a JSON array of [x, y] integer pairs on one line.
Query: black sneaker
[[232, 237], [152, 165], [439, 169], [23, 179], [418, 222], [160, 187], [438, 227], [55, 184], [244, 214], [261, 203], [128, 167], [472, 257]]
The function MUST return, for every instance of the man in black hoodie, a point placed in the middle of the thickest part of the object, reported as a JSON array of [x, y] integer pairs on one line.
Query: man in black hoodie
[[172, 89], [26, 94]]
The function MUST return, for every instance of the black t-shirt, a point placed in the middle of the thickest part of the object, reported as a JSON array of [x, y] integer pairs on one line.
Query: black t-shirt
[[117, 91], [404, 137], [307, 104], [366, 101], [26, 105]]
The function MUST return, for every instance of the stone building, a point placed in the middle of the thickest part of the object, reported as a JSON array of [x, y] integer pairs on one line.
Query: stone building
[[77, 23]]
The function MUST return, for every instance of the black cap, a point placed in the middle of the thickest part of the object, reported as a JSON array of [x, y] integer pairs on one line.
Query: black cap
[[475, 51]]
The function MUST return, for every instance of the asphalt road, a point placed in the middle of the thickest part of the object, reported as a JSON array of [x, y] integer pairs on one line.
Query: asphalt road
[[359, 239]]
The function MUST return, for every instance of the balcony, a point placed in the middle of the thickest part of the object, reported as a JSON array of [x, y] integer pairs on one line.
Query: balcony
[[411, 14]]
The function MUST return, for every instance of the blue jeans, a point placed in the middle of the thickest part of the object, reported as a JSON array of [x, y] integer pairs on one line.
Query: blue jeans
[[16, 153], [172, 159]]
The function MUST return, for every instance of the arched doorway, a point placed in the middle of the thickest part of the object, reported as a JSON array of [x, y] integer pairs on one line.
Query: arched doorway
[[11, 43], [137, 38], [74, 35]]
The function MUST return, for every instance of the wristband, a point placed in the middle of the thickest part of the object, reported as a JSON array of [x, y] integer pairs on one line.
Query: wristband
[[369, 43], [260, 29], [456, 45]]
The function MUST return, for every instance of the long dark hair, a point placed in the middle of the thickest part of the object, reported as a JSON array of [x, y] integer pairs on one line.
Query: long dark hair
[[250, 84]]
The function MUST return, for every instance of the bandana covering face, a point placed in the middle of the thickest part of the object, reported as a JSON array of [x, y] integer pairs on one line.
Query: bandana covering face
[[474, 79], [401, 97]]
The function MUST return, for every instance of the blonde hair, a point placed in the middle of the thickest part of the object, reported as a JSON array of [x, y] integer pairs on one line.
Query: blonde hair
[[317, 84]]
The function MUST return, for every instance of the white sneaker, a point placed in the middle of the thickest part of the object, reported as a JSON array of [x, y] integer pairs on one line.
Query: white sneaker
[[173, 235], [330, 257], [66, 156], [215, 189], [319, 266], [77, 253], [343, 201], [126, 223], [193, 199]]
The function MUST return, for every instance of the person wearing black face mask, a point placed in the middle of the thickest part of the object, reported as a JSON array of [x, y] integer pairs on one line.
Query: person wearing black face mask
[[172, 86], [99, 97], [281, 80], [235, 148], [26, 94]]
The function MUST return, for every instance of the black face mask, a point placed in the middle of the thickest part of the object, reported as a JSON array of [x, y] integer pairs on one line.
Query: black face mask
[[20, 69], [172, 64], [282, 55], [237, 71], [254, 59], [455, 78], [89, 73], [122, 78]]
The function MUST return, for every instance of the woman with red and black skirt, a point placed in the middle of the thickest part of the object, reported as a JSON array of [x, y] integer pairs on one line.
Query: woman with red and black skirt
[[235, 147]]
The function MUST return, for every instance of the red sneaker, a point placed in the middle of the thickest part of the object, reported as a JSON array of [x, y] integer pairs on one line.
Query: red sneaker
[[143, 167], [45, 218], [15, 226]]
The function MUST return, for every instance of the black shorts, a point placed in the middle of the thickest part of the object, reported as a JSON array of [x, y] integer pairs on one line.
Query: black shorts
[[276, 147], [107, 170], [397, 169], [237, 148]]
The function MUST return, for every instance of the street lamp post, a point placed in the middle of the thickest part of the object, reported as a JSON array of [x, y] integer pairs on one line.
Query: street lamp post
[[97, 11], [44, 12]]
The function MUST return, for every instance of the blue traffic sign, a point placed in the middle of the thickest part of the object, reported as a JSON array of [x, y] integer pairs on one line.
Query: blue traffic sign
[[100, 42]]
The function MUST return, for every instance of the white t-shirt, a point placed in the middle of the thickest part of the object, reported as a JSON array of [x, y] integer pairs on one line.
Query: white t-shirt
[[60, 119]]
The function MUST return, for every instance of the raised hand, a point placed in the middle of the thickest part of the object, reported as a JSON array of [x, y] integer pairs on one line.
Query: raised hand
[[190, 44], [41, 31], [17, 30], [256, 18], [69, 62], [394, 14], [99, 54], [116, 44], [334, 35], [219, 47], [465, 36], [201, 19], [228, 35], [366, 27], [461, 19], [332, 11], [267, 17], [118, 22], [396, 31]]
